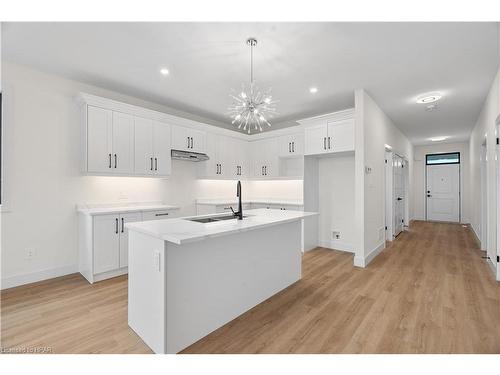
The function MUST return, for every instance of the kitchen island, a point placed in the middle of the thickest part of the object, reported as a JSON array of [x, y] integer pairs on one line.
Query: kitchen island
[[190, 276]]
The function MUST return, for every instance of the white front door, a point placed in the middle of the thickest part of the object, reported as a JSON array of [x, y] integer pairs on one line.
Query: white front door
[[398, 194], [443, 192]]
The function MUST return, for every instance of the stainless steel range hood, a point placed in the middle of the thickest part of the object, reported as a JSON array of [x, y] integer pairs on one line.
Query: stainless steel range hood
[[189, 155]]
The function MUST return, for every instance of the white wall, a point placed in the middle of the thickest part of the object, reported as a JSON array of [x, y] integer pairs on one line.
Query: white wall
[[376, 130], [419, 187], [42, 180], [336, 194], [485, 128]]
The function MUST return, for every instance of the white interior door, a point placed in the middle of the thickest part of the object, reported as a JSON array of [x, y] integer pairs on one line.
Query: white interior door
[[443, 192], [398, 194]]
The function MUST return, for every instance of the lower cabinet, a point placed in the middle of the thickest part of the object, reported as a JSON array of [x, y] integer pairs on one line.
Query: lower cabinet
[[103, 242]]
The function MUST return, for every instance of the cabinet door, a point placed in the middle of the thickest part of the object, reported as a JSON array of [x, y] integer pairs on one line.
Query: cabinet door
[[316, 139], [143, 146], [106, 243], [271, 160], [297, 144], [197, 140], [99, 140], [180, 138], [162, 146], [124, 219], [341, 135], [210, 167], [123, 143]]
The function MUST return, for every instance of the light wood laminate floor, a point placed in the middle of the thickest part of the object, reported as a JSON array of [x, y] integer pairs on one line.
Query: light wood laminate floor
[[428, 292]]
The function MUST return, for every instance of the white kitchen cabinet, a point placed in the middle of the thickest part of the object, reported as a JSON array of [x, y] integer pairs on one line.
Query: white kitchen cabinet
[[123, 143], [237, 159], [265, 158], [109, 143], [99, 139], [124, 219], [316, 139], [291, 145], [341, 135], [106, 243], [188, 139], [329, 137], [152, 147], [103, 241], [228, 158]]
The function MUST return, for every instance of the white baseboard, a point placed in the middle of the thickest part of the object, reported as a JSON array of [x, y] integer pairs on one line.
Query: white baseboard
[[364, 261], [337, 245], [28, 278]]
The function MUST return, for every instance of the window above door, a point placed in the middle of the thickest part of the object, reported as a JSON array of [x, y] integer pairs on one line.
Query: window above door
[[448, 158]]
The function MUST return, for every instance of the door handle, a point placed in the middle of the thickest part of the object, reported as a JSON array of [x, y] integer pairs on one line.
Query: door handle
[[116, 160], [324, 143], [188, 142], [109, 160], [400, 199], [428, 195], [293, 146], [192, 143], [116, 225], [289, 147], [156, 164], [151, 163], [123, 225], [265, 170], [329, 145]]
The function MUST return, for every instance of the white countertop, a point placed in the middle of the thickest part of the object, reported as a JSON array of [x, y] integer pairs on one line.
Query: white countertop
[[130, 207], [181, 230], [222, 201]]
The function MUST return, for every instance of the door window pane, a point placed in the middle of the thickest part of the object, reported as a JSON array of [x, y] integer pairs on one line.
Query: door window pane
[[451, 158]]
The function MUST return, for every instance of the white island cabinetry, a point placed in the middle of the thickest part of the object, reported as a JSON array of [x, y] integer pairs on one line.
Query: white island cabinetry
[[188, 278]]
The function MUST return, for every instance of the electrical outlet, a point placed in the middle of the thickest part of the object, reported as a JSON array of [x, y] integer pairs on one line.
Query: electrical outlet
[[336, 235], [30, 254]]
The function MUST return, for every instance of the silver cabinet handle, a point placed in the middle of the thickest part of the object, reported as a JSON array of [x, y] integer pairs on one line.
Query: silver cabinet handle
[[156, 164], [151, 163], [123, 225], [116, 161], [116, 225], [109, 160]]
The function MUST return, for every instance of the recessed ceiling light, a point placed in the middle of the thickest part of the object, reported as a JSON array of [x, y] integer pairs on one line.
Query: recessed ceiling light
[[438, 139], [313, 90], [430, 97], [164, 71]]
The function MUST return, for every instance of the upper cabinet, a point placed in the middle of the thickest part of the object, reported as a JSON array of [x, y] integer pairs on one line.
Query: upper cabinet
[[152, 147], [228, 158], [265, 158], [188, 139], [329, 134], [109, 142]]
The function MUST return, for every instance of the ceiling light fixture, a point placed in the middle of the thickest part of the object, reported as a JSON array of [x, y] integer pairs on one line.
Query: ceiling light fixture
[[251, 108], [164, 71], [438, 139], [429, 98], [313, 90]]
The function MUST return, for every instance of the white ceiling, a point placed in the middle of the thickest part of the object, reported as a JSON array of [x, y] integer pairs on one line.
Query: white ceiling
[[394, 62]]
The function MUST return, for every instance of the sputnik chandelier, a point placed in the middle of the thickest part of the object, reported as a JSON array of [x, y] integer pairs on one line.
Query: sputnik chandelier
[[251, 108]]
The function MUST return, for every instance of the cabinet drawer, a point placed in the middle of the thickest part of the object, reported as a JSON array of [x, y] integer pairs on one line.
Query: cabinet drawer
[[158, 215]]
